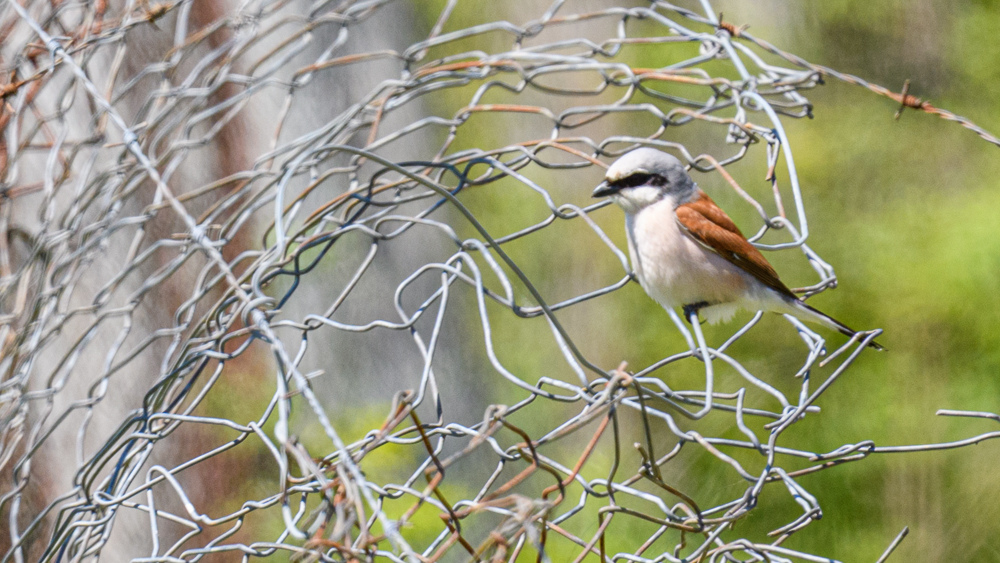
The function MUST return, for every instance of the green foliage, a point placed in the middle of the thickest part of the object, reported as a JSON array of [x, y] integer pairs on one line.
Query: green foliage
[[906, 213]]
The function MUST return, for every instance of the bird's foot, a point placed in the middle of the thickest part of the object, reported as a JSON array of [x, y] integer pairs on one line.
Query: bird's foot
[[692, 309]]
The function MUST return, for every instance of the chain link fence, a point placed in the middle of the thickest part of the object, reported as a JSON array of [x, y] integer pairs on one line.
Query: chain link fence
[[231, 231]]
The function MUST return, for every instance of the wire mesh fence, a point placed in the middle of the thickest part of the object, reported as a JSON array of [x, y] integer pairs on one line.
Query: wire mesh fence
[[232, 229]]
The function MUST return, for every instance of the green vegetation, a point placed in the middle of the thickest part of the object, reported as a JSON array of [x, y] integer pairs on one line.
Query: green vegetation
[[904, 210]]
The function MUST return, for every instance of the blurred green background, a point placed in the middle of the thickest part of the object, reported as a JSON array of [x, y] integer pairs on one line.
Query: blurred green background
[[905, 212]]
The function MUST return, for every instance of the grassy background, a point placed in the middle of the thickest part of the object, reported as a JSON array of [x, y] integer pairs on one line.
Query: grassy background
[[906, 213], [904, 210]]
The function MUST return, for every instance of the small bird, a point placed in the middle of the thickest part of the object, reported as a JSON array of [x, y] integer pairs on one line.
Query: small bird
[[686, 252]]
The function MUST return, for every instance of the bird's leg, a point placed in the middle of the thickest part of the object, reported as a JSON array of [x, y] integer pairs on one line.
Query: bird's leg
[[692, 309]]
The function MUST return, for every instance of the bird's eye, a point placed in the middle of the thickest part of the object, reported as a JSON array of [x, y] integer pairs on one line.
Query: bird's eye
[[631, 181], [639, 179], [636, 180]]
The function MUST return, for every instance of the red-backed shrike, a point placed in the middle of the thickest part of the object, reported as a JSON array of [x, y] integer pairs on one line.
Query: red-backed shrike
[[686, 252]]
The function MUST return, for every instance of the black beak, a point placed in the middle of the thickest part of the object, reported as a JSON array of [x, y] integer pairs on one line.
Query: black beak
[[603, 189]]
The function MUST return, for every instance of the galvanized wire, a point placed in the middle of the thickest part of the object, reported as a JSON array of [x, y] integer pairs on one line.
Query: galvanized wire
[[154, 239]]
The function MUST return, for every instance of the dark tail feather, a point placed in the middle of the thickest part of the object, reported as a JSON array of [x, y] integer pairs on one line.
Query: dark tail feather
[[834, 323]]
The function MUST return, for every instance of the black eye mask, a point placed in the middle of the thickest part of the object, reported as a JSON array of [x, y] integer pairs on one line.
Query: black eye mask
[[638, 179]]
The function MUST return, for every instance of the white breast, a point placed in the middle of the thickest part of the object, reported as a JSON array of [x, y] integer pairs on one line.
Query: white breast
[[675, 270]]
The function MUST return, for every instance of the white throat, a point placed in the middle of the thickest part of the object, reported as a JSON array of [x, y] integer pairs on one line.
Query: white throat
[[633, 200]]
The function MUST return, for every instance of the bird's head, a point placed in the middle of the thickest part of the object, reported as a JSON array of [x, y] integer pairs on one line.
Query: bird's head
[[643, 177]]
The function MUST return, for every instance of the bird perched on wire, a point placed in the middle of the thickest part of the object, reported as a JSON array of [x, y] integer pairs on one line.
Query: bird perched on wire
[[686, 252]]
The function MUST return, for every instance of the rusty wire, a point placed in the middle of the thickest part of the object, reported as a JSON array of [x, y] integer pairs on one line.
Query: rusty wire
[[105, 219]]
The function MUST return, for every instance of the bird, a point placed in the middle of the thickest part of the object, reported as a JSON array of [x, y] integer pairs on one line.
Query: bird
[[686, 252]]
